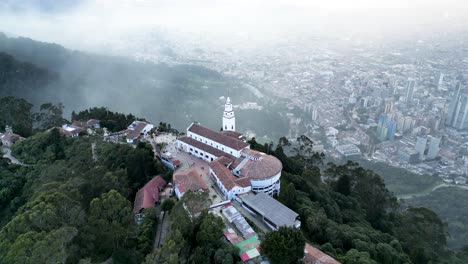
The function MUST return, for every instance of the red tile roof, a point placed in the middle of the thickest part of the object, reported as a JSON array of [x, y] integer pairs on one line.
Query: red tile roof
[[218, 137], [265, 167], [226, 177], [189, 180], [147, 196], [315, 256], [233, 134], [200, 145]]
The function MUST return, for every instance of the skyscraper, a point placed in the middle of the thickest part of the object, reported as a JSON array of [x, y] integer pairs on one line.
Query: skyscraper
[[388, 107], [410, 86], [441, 80], [386, 128], [433, 147], [421, 146], [458, 110], [314, 113], [392, 126]]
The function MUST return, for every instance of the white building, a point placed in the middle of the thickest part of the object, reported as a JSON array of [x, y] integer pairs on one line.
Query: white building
[[234, 167], [136, 129]]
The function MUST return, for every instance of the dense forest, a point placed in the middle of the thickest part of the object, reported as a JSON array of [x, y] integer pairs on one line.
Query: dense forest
[[42, 72], [67, 206]]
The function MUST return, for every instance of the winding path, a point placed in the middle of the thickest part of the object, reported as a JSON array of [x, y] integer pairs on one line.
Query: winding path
[[7, 154]]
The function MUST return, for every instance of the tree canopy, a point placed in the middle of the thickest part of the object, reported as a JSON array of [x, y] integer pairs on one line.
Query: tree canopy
[[285, 246]]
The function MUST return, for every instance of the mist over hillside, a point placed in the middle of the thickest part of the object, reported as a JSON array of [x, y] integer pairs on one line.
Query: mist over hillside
[[177, 94]]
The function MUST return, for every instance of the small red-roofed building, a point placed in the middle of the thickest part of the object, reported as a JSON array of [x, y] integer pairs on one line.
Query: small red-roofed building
[[188, 180], [148, 196], [314, 256]]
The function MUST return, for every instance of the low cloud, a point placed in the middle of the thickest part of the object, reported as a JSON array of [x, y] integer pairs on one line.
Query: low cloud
[[88, 24]]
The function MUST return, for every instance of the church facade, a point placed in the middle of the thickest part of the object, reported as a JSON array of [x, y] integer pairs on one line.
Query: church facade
[[234, 167]]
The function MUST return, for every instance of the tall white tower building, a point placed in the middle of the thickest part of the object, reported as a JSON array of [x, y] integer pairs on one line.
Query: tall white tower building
[[229, 119]]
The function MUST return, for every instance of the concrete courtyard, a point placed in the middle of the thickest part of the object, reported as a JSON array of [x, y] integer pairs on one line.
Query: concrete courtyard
[[188, 161]]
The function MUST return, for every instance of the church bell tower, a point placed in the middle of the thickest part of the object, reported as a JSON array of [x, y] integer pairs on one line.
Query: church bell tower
[[229, 119]]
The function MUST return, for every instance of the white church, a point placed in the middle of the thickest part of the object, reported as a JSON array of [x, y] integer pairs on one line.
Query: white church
[[234, 167]]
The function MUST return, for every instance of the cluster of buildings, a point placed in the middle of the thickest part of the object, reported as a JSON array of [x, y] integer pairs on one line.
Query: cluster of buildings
[[135, 131], [234, 171], [79, 128], [233, 166], [347, 83]]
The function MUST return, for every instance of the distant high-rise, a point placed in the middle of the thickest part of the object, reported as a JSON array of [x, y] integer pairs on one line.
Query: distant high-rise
[[458, 110], [441, 81], [392, 127], [388, 107], [386, 128], [433, 147], [410, 87], [314, 113], [421, 146]]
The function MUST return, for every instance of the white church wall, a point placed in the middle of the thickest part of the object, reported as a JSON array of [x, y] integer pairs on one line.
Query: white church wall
[[270, 185]]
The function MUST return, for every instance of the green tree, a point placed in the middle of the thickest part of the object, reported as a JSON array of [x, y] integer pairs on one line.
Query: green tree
[[110, 219], [285, 246], [343, 185], [355, 257], [167, 204], [49, 115], [16, 113], [289, 195]]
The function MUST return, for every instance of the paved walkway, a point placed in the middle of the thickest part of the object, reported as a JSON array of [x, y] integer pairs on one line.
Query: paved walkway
[[189, 161], [7, 154], [162, 231]]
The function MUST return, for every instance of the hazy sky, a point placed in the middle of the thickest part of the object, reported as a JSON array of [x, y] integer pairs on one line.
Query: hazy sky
[[77, 23]]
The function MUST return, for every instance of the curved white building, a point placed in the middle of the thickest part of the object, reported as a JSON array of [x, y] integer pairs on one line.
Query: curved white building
[[252, 171]]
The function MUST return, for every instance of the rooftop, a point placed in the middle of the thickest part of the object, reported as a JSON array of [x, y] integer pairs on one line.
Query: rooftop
[[221, 138], [225, 176], [200, 145], [147, 196], [271, 209], [233, 134], [189, 180], [134, 130], [315, 256], [263, 167]]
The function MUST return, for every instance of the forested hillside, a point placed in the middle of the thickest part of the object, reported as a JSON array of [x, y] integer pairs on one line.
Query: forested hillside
[[450, 204], [69, 205], [176, 94], [22, 78], [350, 214], [66, 206]]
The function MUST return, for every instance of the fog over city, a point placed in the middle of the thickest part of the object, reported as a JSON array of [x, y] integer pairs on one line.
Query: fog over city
[[91, 24]]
